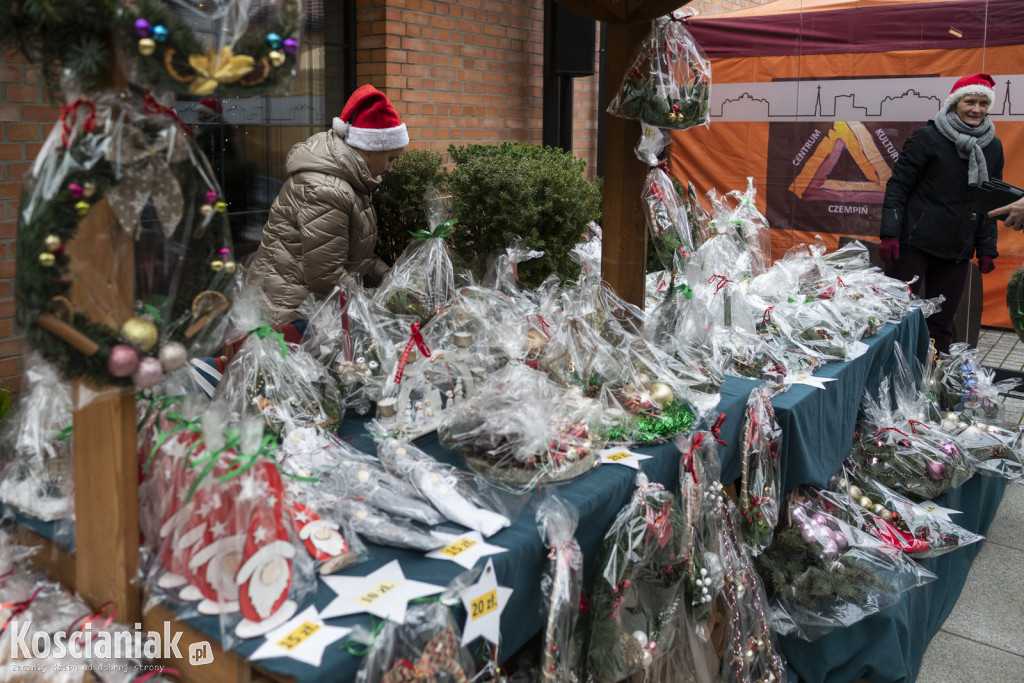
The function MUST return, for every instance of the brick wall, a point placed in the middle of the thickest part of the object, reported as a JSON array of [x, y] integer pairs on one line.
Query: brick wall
[[27, 113]]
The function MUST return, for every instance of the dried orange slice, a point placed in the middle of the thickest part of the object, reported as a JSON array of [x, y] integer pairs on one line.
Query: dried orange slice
[[259, 73], [177, 66]]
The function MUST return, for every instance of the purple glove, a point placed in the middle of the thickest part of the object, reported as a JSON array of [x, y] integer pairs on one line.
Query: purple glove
[[889, 250], [986, 264]]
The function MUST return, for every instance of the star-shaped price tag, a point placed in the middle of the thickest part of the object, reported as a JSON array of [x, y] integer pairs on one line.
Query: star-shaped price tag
[[622, 456], [809, 380], [384, 593], [484, 602], [304, 638], [938, 510], [464, 550]]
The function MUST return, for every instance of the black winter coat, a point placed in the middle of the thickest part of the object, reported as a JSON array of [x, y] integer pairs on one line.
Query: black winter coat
[[928, 203]]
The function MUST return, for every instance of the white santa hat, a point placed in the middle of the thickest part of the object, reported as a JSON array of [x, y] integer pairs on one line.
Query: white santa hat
[[369, 122], [977, 84]]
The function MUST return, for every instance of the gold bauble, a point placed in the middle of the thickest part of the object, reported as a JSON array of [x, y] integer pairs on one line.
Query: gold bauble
[[660, 393], [52, 243], [141, 333], [276, 57], [865, 502], [221, 207], [82, 208], [88, 189], [216, 266], [855, 492], [147, 46], [46, 259], [643, 379], [877, 508], [206, 209], [229, 267], [887, 515]]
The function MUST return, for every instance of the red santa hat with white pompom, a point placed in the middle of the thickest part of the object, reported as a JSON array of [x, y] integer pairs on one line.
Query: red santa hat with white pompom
[[976, 84], [369, 122]]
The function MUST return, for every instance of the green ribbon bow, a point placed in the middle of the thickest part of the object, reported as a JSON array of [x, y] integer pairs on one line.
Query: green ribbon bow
[[443, 230], [264, 331]]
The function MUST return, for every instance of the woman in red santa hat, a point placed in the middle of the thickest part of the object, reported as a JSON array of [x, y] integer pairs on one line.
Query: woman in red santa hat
[[321, 226], [929, 226]]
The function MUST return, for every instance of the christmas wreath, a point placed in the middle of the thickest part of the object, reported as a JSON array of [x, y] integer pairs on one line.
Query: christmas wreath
[[168, 45], [124, 187]]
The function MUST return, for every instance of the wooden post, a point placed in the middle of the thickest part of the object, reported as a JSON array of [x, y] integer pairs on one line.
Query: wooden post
[[624, 240], [106, 471]]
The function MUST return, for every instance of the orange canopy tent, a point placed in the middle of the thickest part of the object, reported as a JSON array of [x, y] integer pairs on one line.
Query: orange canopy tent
[[815, 98]]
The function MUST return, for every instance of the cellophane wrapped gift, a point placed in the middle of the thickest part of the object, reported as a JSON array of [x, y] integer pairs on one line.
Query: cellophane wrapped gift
[[700, 499], [964, 385], [452, 492], [812, 330], [561, 587], [271, 378], [502, 273], [637, 594], [897, 520], [424, 385], [745, 354], [751, 650], [35, 447], [823, 573], [761, 479], [481, 328], [425, 647], [747, 224], [996, 449], [908, 459], [667, 223], [669, 82], [227, 48], [345, 335], [121, 202], [422, 281], [522, 430], [667, 381], [588, 254]]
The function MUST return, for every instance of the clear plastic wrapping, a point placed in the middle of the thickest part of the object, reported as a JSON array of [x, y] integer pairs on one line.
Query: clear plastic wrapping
[[761, 483], [636, 599], [825, 573], [223, 48], [522, 430], [122, 203], [422, 281], [965, 386], [895, 519], [668, 84], [35, 466], [561, 587]]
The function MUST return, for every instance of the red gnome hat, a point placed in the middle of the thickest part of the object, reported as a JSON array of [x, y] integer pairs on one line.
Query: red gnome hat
[[369, 122], [977, 84]]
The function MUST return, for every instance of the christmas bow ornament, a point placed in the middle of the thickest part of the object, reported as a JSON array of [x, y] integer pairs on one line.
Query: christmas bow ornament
[[146, 174], [215, 68]]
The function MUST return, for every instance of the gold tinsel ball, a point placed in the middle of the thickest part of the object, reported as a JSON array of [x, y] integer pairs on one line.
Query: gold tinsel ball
[[865, 502], [140, 332], [147, 46], [52, 243], [855, 492], [216, 266], [82, 208], [660, 393], [276, 57], [229, 267], [46, 259], [206, 209], [88, 189]]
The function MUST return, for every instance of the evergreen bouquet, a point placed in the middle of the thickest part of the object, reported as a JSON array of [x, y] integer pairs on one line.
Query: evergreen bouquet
[[823, 573], [121, 203], [561, 587], [964, 385], [522, 430], [669, 82], [638, 592], [761, 479], [668, 225], [422, 281], [220, 48], [893, 518]]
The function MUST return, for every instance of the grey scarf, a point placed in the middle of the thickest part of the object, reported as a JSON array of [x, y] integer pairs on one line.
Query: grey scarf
[[968, 140]]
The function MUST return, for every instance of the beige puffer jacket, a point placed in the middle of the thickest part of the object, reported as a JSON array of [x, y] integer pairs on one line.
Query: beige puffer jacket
[[321, 226]]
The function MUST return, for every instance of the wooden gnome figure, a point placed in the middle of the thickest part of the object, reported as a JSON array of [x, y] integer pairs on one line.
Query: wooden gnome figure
[[323, 539], [215, 560]]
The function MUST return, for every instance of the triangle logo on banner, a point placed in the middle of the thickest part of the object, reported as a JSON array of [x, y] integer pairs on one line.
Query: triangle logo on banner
[[849, 141]]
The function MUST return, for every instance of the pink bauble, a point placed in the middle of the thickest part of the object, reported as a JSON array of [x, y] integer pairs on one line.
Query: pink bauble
[[936, 471], [839, 538], [806, 534], [819, 518], [829, 548], [148, 373], [122, 361], [172, 356]]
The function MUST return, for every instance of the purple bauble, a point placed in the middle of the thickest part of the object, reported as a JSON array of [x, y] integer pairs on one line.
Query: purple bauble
[[806, 534], [819, 518], [839, 538], [122, 361], [828, 548], [148, 373], [143, 28], [936, 471], [291, 46]]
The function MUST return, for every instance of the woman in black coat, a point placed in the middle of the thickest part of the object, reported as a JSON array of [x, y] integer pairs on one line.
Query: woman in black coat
[[929, 226]]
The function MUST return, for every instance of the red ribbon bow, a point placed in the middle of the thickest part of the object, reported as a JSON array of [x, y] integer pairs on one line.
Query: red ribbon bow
[[879, 432], [152, 106], [17, 608], [69, 116], [688, 458], [716, 429], [917, 422], [415, 338], [722, 281]]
